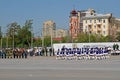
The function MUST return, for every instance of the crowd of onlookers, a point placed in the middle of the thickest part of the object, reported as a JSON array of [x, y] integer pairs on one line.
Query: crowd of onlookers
[[25, 52]]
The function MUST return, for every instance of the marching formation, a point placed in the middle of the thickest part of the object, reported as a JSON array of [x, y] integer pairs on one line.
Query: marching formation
[[82, 53]]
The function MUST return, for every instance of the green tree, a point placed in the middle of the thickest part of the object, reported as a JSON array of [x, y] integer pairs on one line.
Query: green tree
[[118, 36], [82, 37], [47, 41], [12, 31], [25, 36], [37, 42]]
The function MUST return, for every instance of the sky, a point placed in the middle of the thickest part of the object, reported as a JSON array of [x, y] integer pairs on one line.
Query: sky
[[56, 10]]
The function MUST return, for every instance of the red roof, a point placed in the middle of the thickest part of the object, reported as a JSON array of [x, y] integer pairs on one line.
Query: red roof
[[57, 39]]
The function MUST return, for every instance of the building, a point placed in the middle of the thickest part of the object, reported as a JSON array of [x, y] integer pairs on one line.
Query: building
[[76, 21], [88, 21], [82, 14], [74, 24], [60, 33], [97, 24], [49, 28], [115, 27]]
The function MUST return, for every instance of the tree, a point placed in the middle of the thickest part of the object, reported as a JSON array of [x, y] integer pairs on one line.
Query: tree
[[118, 36], [37, 42], [12, 31], [25, 36], [20, 36], [47, 41], [0, 36], [82, 37], [0, 33]]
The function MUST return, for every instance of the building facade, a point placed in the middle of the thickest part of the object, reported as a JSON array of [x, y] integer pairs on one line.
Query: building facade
[[49, 29], [97, 24], [76, 21], [81, 15], [74, 24], [60, 33], [88, 21]]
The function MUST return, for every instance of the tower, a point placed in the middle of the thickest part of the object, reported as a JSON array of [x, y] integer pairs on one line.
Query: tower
[[74, 24]]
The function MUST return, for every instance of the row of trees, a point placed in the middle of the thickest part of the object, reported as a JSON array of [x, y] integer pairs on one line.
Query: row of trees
[[22, 36], [17, 36]]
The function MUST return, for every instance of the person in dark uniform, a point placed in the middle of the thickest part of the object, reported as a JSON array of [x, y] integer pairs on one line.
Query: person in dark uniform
[[50, 50]]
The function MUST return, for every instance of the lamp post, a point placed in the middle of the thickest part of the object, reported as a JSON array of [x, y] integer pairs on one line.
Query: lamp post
[[89, 36], [51, 40], [1, 37], [42, 39], [89, 33], [7, 40], [31, 37], [1, 42], [13, 32]]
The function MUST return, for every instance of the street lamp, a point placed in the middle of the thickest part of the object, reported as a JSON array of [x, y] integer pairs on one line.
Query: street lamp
[[89, 33], [89, 36], [51, 40], [1, 42], [7, 40], [31, 37], [42, 39], [13, 32]]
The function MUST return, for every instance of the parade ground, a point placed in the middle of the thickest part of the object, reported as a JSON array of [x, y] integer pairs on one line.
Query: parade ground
[[48, 68]]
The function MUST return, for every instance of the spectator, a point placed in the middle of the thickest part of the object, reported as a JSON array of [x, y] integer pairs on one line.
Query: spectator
[[117, 47]]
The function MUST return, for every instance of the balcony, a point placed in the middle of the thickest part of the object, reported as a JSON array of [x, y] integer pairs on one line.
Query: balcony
[[91, 29], [99, 23], [99, 29], [90, 24]]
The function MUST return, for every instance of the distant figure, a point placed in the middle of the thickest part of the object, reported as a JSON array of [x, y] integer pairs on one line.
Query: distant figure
[[50, 50], [117, 47], [114, 46]]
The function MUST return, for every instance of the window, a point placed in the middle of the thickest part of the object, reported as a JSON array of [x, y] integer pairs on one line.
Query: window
[[99, 26], [74, 23], [104, 26], [94, 21], [75, 31], [90, 27], [104, 32], [99, 20], [95, 27], [104, 21], [85, 28], [90, 21]]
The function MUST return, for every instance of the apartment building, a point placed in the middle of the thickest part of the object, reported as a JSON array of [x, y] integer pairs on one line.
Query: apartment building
[[60, 33], [76, 21], [49, 28], [89, 21], [97, 24]]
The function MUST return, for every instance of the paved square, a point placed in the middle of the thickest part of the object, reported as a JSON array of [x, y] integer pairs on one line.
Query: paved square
[[48, 68]]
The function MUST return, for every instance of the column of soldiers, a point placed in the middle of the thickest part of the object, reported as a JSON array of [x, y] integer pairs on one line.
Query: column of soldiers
[[83, 53]]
